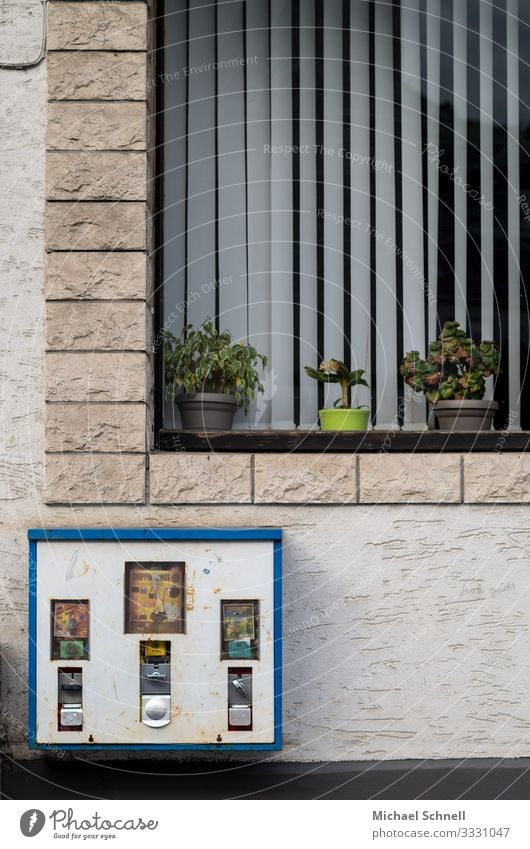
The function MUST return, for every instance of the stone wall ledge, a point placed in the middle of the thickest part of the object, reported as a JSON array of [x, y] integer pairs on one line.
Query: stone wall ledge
[[183, 477]]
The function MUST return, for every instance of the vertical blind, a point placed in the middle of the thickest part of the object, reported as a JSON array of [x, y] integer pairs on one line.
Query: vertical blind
[[340, 178]]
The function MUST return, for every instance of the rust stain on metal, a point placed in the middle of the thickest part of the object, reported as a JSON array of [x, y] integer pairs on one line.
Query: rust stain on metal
[[216, 590], [190, 594]]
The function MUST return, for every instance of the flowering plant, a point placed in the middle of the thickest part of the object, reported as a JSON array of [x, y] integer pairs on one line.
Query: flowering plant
[[335, 371]]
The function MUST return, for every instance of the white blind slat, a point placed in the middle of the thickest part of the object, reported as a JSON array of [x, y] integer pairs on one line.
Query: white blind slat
[[201, 167], [231, 165], [514, 252], [259, 219], [486, 168], [432, 91], [360, 192], [281, 215], [385, 225], [308, 212], [333, 191], [460, 157], [412, 200], [174, 192]]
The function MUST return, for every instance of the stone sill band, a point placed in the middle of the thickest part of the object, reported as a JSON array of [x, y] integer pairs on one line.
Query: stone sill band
[[305, 479]]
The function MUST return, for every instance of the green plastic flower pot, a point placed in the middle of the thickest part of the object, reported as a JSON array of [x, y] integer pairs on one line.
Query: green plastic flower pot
[[340, 419]]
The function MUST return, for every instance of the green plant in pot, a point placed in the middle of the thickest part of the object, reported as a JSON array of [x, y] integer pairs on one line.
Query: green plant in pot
[[210, 376], [453, 378], [341, 416]]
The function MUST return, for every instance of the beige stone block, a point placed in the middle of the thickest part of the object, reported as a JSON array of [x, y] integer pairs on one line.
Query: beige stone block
[[95, 226], [92, 275], [92, 325], [95, 479], [305, 479], [97, 26], [184, 478], [497, 477], [83, 75], [74, 175], [96, 126], [95, 427], [417, 478], [96, 377]]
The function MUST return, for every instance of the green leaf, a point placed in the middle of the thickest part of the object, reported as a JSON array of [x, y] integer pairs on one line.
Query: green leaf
[[320, 375]]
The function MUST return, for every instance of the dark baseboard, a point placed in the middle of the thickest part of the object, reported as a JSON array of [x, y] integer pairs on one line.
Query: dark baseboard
[[150, 779]]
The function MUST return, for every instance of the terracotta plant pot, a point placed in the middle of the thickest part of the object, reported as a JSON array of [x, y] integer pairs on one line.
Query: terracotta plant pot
[[340, 419], [465, 415], [206, 411]]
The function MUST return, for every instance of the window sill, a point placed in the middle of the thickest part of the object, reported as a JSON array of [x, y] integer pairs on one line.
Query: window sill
[[316, 441]]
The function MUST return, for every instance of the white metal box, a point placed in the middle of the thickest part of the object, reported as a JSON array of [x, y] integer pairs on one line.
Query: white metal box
[[103, 604]]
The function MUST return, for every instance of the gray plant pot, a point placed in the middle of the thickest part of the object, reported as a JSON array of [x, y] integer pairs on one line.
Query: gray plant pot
[[465, 415], [207, 411]]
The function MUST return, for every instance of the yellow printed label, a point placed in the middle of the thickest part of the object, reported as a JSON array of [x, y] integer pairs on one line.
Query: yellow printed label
[[155, 648]]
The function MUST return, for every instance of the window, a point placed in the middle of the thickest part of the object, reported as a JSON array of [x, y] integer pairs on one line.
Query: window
[[339, 179]]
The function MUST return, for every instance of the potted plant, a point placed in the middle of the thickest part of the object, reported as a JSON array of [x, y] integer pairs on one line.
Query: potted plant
[[453, 378], [341, 416], [210, 376]]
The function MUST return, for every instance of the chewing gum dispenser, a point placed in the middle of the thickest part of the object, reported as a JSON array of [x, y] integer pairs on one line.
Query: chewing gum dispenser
[[239, 699], [162, 639], [70, 699], [155, 683]]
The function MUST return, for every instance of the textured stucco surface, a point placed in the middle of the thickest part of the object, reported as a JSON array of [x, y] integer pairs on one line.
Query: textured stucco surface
[[406, 626]]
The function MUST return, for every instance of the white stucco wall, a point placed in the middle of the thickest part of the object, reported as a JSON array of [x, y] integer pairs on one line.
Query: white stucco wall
[[22, 145], [406, 628]]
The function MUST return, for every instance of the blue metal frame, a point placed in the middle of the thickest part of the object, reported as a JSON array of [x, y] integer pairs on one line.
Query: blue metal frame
[[74, 534]]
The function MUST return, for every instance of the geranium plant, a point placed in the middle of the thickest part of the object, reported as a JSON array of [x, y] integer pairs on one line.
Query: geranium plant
[[206, 360], [335, 371], [455, 368]]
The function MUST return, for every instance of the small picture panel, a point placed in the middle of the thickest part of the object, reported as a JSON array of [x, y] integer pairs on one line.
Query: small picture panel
[[155, 598], [70, 619], [239, 630]]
